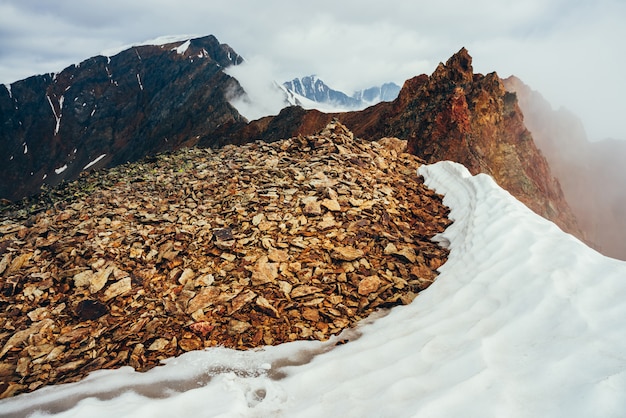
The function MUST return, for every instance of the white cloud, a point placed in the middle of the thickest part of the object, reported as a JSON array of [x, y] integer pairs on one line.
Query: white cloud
[[569, 51], [263, 97]]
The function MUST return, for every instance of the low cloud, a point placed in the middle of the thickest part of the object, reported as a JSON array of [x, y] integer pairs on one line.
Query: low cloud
[[263, 96]]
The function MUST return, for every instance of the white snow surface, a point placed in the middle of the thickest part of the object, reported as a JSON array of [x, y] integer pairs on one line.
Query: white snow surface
[[183, 47], [94, 162], [162, 40], [60, 169], [523, 321]]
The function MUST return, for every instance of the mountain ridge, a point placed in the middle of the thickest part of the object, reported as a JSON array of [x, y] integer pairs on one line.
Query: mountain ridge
[[141, 101], [451, 114]]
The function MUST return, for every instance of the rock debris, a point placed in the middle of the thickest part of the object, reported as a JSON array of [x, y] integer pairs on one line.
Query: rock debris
[[241, 247]]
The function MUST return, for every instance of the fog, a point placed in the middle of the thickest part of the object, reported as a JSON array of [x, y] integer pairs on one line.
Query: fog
[[592, 174], [263, 96]]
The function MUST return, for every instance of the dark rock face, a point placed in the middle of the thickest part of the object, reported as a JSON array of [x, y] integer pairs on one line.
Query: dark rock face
[[592, 174], [142, 101], [452, 115]]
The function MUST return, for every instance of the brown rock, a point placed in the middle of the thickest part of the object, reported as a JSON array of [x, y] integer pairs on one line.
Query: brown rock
[[331, 204], [205, 297], [264, 272], [118, 288], [312, 208], [369, 285], [346, 253]]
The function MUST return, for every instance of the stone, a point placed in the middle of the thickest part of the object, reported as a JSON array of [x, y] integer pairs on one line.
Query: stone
[[264, 271], [118, 288], [312, 208], [346, 253], [331, 204], [368, 285]]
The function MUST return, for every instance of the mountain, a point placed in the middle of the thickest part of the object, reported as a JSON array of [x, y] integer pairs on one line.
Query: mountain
[[385, 93], [109, 110], [592, 174], [316, 91], [452, 114], [151, 99]]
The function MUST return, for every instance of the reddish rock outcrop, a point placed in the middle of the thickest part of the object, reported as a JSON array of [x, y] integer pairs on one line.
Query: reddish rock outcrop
[[452, 115]]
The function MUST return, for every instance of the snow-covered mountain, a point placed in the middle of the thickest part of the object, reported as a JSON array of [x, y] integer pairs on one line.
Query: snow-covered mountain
[[318, 94], [523, 321]]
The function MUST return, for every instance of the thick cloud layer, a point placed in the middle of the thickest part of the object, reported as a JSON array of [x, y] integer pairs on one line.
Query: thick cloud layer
[[570, 51]]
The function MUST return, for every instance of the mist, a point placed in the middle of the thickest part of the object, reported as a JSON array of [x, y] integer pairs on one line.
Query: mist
[[592, 173], [263, 96]]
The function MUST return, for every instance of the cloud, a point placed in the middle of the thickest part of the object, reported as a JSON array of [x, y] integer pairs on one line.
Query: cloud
[[568, 50], [263, 97]]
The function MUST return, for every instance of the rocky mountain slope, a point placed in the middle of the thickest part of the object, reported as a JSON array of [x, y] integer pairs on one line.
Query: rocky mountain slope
[[455, 115], [241, 247], [110, 110], [592, 174]]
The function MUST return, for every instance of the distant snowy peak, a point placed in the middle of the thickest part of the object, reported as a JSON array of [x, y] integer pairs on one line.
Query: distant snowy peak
[[385, 93], [316, 91]]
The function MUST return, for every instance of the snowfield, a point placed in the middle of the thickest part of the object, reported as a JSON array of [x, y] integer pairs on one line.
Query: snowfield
[[523, 321]]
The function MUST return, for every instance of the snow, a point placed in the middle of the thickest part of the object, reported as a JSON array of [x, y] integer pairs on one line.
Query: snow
[[60, 169], [25, 145], [57, 117], [94, 162], [8, 87], [139, 81], [523, 321], [162, 40], [182, 48]]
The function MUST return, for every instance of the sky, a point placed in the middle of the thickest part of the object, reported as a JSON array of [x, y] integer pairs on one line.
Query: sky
[[524, 321], [571, 51]]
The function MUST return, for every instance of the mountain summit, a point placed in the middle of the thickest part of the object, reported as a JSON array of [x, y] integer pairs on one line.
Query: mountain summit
[[109, 110], [453, 114]]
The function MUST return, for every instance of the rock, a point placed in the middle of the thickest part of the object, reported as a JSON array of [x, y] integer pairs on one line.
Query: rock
[[277, 256], [267, 306], [304, 290], [264, 271], [159, 344], [369, 285], [118, 288], [205, 297], [346, 253], [202, 327], [331, 204], [237, 327], [99, 279], [312, 208]]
